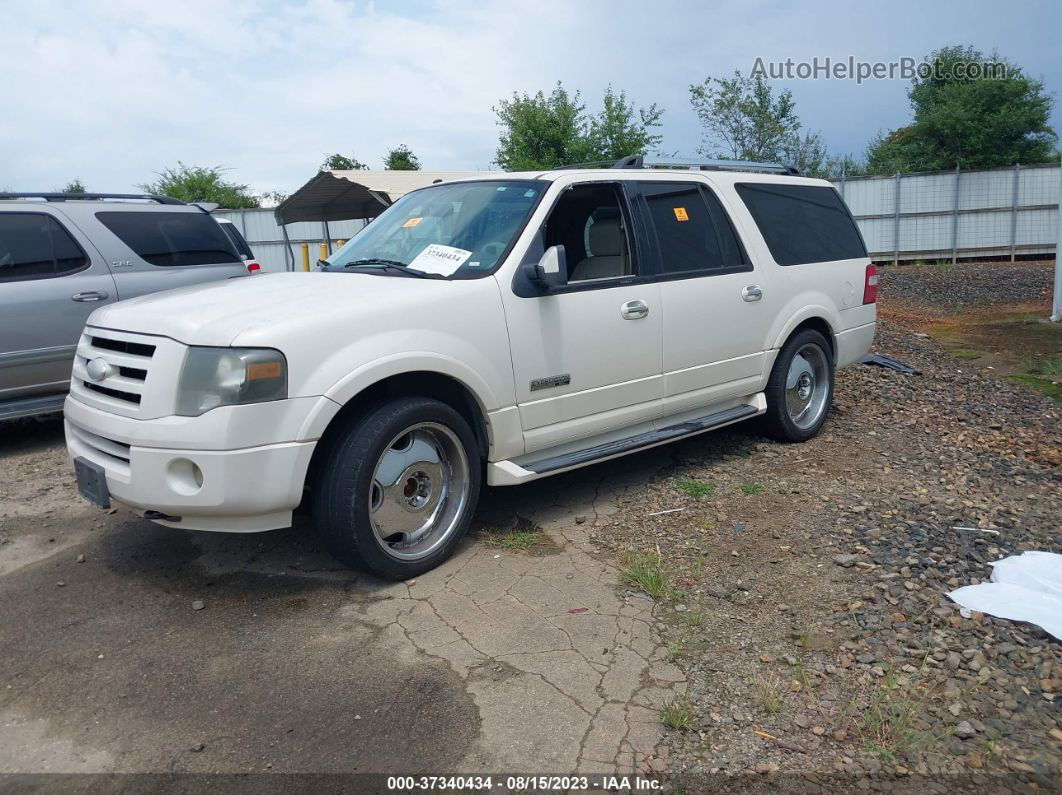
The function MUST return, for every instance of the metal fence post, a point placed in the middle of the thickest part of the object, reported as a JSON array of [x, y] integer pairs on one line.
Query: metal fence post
[[842, 183], [896, 222], [1014, 213], [1056, 304], [955, 218]]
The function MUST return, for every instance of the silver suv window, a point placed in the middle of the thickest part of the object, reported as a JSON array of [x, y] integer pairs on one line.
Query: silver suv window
[[35, 246], [172, 239]]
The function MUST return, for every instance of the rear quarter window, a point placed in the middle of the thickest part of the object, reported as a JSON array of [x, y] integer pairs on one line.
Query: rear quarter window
[[171, 239], [237, 240], [803, 223]]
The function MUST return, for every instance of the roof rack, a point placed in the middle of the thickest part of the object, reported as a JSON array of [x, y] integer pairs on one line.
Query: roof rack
[[62, 197], [638, 161]]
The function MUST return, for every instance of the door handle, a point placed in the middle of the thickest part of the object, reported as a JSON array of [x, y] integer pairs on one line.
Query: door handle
[[92, 295], [632, 310], [752, 293]]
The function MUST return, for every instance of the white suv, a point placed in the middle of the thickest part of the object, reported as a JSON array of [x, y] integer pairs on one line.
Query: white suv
[[492, 330]]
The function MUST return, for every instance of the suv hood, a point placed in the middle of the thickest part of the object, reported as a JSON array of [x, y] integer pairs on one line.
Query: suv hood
[[220, 313]]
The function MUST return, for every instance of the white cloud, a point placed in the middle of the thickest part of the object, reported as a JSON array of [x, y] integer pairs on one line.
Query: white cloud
[[115, 90]]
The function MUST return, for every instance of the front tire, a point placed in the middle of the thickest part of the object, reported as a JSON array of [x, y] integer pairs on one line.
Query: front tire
[[800, 389], [398, 487]]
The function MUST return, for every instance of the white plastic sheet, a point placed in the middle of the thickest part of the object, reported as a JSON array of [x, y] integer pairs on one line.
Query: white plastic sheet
[[1026, 587]]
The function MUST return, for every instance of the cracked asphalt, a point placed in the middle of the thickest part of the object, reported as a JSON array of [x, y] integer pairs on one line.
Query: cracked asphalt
[[496, 661]]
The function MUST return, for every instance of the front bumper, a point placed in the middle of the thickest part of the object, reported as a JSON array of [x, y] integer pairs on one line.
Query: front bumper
[[247, 489]]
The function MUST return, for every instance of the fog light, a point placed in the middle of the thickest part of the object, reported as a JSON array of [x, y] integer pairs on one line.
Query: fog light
[[184, 476]]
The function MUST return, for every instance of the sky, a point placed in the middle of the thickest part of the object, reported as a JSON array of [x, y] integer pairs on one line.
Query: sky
[[114, 91]]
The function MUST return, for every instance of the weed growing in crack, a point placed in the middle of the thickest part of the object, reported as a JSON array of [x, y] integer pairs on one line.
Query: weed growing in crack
[[645, 569], [696, 488], [677, 714], [523, 537]]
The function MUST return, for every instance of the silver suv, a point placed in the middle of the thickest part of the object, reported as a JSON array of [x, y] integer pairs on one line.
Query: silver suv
[[64, 255]]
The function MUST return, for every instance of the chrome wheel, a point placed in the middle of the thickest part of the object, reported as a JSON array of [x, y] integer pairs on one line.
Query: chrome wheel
[[419, 491], [807, 386]]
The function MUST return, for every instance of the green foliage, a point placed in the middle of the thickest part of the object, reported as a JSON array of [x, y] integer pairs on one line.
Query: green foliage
[[696, 488], [401, 158], [982, 122], [678, 714], [74, 186], [621, 129], [743, 119], [547, 131], [338, 162], [645, 569], [201, 184]]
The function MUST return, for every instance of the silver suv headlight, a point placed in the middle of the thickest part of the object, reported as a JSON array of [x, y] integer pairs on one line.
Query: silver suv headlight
[[214, 377]]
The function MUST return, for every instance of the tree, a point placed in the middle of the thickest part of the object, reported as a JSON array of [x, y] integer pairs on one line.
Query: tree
[[547, 131], [338, 162], [996, 116], [401, 158], [201, 184], [74, 186], [744, 120], [621, 129]]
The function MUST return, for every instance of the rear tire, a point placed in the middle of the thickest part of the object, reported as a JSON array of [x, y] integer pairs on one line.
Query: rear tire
[[800, 390], [397, 488]]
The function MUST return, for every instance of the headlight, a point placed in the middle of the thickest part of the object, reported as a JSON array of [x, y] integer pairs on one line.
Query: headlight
[[215, 377]]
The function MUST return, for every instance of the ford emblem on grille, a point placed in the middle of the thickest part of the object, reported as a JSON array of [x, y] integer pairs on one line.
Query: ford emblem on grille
[[98, 369]]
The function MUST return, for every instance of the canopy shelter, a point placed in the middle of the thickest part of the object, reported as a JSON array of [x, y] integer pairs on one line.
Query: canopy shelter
[[353, 195], [346, 195]]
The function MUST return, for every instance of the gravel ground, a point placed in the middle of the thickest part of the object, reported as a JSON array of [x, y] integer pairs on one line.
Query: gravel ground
[[807, 588], [949, 288]]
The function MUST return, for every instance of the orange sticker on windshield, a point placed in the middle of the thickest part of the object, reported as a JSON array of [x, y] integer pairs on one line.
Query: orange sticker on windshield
[[412, 222], [680, 214]]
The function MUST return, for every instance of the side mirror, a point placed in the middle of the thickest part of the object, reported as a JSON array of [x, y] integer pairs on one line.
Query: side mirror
[[551, 271]]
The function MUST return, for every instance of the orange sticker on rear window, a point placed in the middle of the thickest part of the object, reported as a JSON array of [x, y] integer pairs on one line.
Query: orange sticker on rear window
[[412, 222], [680, 214]]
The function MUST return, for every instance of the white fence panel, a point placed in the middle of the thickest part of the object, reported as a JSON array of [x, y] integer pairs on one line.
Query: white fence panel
[[996, 212]]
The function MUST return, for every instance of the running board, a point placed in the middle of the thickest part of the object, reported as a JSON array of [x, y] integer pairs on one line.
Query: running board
[[29, 407], [648, 439]]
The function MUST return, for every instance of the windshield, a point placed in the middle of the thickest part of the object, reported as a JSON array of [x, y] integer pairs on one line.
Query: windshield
[[459, 230]]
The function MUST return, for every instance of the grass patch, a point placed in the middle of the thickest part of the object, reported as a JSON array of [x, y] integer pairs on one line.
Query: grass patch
[[645, 569], [752, 488], [677, 714], [888, 721], [674, 651], [694, 617], [696, 488], [769, 690], [1043, 385], [966, 354], [524, 536]]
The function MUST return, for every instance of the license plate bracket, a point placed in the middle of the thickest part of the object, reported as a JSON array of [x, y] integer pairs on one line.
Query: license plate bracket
[[92, 482]]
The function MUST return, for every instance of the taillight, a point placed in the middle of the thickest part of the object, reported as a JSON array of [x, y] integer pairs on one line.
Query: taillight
[[870, 285], [253, 267]]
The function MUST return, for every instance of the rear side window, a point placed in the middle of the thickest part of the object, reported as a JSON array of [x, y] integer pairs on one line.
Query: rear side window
[[171, 239], [803, 223], [237, 240], [36, 246], [692, 229]]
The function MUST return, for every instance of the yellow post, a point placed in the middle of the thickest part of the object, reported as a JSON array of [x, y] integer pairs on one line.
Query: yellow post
[[324, 251], [305, 256]]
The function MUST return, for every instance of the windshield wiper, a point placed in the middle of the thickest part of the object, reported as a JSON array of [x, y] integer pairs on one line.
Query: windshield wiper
[[393, 266]]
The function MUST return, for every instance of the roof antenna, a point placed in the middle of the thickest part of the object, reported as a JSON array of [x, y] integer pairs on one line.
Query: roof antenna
[[631, 161]]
